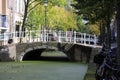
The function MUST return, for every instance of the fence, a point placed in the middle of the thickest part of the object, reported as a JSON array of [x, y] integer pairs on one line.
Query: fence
[[48, 35]]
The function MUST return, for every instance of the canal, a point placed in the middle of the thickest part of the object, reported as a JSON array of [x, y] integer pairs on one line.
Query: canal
[[50, 67]]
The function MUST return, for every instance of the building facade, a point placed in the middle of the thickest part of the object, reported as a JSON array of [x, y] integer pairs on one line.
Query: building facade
[[11, 13]]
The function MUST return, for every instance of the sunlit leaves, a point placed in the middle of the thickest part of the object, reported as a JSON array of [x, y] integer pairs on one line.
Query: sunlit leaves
[[57, 17]]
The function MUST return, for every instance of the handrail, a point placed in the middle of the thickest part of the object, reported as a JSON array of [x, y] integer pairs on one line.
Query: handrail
[[49, 35]]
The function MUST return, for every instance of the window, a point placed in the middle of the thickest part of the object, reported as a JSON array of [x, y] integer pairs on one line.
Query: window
[[4, 21]]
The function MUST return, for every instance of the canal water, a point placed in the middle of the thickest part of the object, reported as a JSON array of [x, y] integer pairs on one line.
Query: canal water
[[43, 70]]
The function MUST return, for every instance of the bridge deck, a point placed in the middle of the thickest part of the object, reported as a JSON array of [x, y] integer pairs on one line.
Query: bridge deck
[[88, 45]]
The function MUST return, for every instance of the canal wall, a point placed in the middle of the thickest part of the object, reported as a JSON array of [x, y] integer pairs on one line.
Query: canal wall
[[7, 53]]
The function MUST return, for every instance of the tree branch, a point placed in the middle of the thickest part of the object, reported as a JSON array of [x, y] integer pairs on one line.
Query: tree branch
[[28, 1], [32, 2], [33, 7]]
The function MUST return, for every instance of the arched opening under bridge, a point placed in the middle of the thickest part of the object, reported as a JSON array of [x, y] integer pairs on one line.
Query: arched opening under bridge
[[45, 55]]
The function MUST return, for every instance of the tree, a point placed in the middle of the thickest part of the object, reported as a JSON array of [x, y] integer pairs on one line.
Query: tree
[[118, 31], [106, 10], [81, 26], [35, 18], [101, 11], [61, 19], [58, 17], [29, 6]]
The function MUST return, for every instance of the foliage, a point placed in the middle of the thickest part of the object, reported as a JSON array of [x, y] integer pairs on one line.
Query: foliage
[[101, 11], [60, 3], [97, 11], [34, 19], [94, 10], [29, 6], [81, 26], [94, 29], [57, 17]]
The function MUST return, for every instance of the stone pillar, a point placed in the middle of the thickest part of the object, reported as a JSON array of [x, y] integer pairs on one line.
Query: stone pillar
[[77, 54]]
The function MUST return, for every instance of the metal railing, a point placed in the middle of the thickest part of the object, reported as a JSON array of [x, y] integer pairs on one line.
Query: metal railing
[[49, 35]]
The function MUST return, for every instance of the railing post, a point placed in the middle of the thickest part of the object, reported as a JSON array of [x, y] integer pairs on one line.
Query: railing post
[[89, 39], [84, 38], [26, 36], [66, 36], [14, 37], [71, 33], [47, 37], [4, 37], [95, 41], [44, 36], [59, 36], [74, 36], [30, 36], [41, 35], [20, 37]]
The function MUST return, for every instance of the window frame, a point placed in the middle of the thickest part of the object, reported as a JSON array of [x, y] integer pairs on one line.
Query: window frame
[[4, 21]]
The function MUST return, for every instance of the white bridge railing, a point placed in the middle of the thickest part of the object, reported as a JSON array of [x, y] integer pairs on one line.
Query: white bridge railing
[[48, 35]]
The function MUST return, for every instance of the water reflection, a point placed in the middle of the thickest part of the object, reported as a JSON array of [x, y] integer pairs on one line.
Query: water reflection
[[46, 56], [53, 56]]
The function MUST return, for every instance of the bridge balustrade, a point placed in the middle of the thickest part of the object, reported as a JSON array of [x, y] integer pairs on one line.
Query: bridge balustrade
[[48, 35]]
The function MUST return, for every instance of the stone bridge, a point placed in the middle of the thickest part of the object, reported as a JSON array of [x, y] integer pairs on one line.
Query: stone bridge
[[19, 52]]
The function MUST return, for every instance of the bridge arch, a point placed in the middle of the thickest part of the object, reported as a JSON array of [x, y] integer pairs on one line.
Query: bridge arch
[[35, 53], [31, 53]]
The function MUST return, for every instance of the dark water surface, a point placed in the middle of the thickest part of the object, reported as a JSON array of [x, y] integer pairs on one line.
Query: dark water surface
[[42, 70]]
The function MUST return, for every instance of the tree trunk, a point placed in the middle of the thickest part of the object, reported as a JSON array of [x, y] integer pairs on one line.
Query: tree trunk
[[118, 32], [103, 32], [23, 23], [108, 34], [24, 18]]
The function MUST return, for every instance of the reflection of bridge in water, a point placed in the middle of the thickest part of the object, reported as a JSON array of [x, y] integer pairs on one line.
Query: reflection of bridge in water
[[75, 45]]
